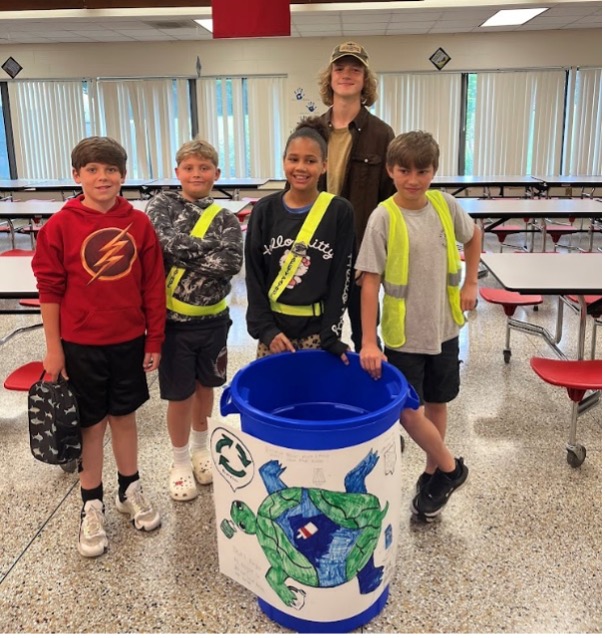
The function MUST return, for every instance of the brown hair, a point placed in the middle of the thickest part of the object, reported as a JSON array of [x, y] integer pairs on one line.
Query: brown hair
[[314, 128], [369, 92], [104, 150], [198, 147], [416, 149]]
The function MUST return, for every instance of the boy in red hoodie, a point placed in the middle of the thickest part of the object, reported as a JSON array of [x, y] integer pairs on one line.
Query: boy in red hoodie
[[100, 274]]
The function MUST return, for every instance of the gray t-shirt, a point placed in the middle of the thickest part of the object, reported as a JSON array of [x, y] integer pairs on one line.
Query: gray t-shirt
[[429, 320]]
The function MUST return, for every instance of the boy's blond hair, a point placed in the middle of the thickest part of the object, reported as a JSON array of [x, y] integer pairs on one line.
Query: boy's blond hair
[[198, 147], [416, 149], [103, 150]]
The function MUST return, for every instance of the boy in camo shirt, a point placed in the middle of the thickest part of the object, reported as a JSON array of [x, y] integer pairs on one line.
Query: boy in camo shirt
[[203, 250]]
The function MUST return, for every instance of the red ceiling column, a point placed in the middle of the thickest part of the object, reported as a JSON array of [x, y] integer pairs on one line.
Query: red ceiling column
[[250, 18]]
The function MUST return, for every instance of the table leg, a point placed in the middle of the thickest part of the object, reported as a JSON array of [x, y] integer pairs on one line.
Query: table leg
[[582, 329]]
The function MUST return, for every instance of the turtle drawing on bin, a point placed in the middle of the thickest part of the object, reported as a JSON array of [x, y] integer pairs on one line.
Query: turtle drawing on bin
[[316, 537]]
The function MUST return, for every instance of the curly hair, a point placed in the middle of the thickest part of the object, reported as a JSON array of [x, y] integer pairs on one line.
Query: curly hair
[[369, 93], [313, 128]]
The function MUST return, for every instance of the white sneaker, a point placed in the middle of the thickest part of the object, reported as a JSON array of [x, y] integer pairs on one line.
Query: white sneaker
[[202, 466], [142, 513], [93, 539]]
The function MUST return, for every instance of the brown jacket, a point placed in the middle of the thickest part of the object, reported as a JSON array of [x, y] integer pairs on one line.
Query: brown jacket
[[366, 182]]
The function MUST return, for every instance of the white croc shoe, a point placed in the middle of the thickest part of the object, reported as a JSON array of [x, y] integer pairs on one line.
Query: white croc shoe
[[202, 466], [181, 484]]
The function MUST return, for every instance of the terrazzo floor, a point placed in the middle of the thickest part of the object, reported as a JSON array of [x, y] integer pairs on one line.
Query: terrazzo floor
[[518, 550]]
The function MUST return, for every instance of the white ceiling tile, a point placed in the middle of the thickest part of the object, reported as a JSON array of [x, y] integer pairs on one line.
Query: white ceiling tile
[[308, 22], [412, 25], [596, 20], [438, 29], [454, 24]]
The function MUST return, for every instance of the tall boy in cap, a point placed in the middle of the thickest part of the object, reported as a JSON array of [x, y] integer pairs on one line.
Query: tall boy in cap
[[357, 147]]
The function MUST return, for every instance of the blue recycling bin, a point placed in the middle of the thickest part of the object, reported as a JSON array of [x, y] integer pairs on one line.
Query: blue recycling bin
[[310, 400]]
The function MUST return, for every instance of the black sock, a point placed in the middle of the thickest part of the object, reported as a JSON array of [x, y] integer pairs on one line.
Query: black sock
[[124, 482], [96, 494]]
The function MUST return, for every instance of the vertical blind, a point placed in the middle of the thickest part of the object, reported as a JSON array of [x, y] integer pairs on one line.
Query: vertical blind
[[583, 134], [150, 118], [269, 131], [244, 118], [518, 122], [428, 102], [48, 121]]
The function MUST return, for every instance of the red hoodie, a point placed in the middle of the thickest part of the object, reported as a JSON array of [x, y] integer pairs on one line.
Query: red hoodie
[[106, 271]]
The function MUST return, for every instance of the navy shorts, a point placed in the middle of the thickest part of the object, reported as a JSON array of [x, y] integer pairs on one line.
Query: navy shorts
[[107, 380], [435, 377], [195, 351]]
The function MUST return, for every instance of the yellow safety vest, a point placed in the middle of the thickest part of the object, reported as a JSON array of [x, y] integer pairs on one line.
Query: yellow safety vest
[[175, 274], [297, 251], [397, 270]]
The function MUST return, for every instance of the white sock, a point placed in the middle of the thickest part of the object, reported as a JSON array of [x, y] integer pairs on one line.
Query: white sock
[[198, 440], [180, 456]]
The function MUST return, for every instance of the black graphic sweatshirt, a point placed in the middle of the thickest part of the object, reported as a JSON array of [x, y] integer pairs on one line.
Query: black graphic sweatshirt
[[323, 276]]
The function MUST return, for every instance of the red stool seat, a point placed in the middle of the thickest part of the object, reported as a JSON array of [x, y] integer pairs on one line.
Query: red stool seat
[[33, 303], [576, 376], [509, 300], [17, 252], [503, 231], [556, 231], [24, 377], [243, 215], [588, 298]]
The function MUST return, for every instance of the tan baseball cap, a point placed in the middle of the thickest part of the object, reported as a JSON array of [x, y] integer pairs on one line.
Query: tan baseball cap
[[350, 48]]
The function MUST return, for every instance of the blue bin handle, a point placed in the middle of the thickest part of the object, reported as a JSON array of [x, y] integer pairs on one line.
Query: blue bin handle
[[412, 400], [227, 405]]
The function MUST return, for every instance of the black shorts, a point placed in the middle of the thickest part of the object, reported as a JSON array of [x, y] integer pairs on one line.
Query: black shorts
[[435, 377], [195, 351], [107, 380]]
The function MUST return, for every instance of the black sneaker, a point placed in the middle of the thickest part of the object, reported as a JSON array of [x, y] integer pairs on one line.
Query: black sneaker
[[433, 497], [423, 480]]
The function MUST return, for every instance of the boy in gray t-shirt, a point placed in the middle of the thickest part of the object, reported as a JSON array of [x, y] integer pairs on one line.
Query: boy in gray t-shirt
[[410, 247]]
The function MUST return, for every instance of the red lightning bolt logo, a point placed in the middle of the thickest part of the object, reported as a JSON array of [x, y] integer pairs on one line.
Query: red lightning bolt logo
[[110, 250]]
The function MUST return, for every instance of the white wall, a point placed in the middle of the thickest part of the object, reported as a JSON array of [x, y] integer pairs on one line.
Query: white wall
[[301, 59]]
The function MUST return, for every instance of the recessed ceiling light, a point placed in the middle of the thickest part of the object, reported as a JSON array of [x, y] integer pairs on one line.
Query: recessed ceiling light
[[206, 23], [509, 17]]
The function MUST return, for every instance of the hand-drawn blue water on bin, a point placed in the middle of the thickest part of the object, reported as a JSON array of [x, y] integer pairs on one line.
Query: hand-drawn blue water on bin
[[309, 531]]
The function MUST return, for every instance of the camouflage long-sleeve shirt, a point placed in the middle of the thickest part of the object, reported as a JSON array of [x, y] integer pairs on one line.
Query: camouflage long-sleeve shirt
[[209, 262]]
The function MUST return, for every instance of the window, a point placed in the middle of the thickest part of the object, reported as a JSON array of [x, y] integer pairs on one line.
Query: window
[[427, 102], [514, 124], [583, 138], [4, 163], [48, 119], [244, 118], [150, 118]]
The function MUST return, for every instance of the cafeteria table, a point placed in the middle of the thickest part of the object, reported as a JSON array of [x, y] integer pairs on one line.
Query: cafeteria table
[[45, 208], [229, 186], [37, 209], [502, 210], [17, 281], [560, 274], [488, 182], [584, 182]]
